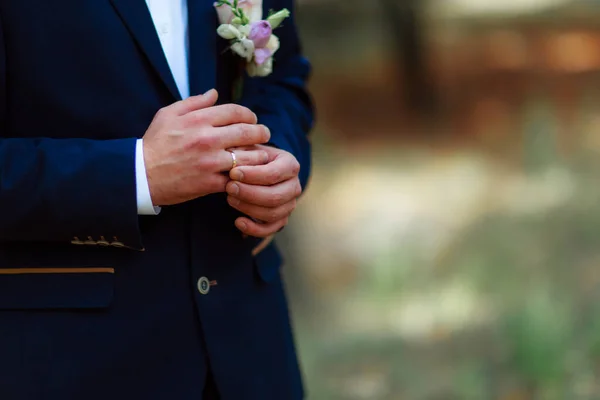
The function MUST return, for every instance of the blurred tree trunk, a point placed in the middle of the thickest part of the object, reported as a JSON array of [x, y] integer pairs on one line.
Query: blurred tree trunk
[[406, 28]]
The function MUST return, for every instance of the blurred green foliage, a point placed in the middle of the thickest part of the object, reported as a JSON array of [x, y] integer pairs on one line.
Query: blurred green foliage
[[509, 308], [539, 271]]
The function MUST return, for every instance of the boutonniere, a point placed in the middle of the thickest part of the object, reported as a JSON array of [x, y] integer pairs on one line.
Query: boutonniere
[[251, 36]]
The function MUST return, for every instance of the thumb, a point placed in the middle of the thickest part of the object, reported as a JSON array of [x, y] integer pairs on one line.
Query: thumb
[[195, 103]]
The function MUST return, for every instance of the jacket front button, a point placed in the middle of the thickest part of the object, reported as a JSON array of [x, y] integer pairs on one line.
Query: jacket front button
[[203, 285]]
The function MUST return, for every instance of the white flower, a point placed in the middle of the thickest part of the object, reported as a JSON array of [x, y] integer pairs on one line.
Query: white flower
[[262, 70], [227, 31], [244, 48], [244, 30], [273, 44], [224, 12], [253, 10], [276, 19]]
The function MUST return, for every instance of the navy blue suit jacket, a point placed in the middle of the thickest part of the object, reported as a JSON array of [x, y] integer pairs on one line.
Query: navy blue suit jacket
[[97, 302]]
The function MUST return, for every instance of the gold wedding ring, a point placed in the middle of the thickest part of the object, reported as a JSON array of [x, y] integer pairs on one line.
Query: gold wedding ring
[[233, 159]]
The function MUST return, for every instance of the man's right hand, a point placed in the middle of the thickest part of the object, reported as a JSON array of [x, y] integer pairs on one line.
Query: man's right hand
[[185, 147]]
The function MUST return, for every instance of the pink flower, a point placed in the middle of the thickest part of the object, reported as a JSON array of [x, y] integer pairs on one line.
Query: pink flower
[[252, 9], [262, 63], [262, 55], [224, 12], [260, 33]]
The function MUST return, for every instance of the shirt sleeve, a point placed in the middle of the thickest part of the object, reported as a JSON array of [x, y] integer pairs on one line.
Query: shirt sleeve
[[144, 201]]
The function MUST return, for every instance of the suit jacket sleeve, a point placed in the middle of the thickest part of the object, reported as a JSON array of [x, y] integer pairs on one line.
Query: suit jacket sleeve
[[280, 100], [56, 189]]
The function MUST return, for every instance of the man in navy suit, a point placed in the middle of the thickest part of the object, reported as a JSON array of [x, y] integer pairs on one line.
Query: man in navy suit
[[138, 204]]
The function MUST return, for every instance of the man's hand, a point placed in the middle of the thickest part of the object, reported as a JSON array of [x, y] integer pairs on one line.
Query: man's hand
[[185, 147], [266, 193]]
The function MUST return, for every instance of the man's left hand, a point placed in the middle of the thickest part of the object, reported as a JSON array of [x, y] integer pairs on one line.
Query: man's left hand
[[265, 193]]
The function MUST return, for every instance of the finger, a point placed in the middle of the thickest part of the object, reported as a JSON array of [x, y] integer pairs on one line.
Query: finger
[[251, 228], [222, 115], [218, 183], [265, 196], [253, 147], [281, 169], [252, 157], [195, 103], [265, 214], [239, 135]]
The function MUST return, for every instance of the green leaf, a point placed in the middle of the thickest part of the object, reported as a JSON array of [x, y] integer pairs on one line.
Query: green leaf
[[277, 18], [238, 89]]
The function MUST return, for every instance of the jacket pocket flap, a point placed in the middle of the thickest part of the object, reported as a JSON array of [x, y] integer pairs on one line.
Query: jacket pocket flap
[[56, 288]]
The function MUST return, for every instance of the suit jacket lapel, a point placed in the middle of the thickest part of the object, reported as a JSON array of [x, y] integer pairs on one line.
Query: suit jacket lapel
[[202, 45], [137, 18]]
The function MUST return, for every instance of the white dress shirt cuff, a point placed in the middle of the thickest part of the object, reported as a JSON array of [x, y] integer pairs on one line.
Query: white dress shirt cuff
[[144, 201]]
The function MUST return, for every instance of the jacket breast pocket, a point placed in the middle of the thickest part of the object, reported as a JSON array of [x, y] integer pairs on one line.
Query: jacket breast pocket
[[42, 279]]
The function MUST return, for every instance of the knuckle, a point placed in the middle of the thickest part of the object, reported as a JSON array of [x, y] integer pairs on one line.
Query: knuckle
[[295, 167], [274, 176], [276, 199], [244, 132], [189, 145], [206, 142], [207, 163], [162, 114], [194, 119], [236, 112], [273, 215], [263, 156]]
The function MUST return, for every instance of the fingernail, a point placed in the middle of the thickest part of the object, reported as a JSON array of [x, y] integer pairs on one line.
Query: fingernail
[[236, 175], [241, 225], [233, 189], [234, 201], [208, 92]]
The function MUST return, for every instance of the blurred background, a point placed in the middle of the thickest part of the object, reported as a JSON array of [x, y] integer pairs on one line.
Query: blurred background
[[448, 246]]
